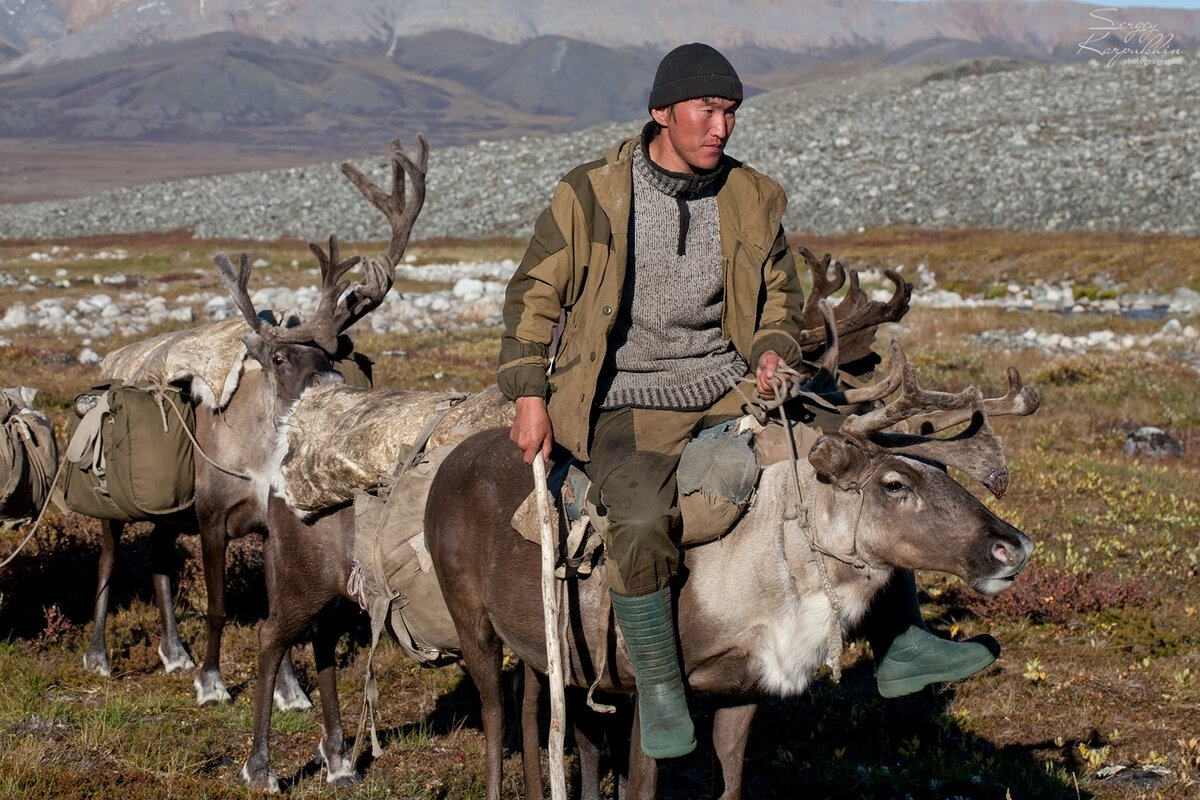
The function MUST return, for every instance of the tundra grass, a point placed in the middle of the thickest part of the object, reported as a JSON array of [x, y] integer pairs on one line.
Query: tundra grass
[[1096, 693]]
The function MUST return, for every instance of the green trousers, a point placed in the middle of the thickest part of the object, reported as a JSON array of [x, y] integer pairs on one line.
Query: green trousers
[[634, 454]]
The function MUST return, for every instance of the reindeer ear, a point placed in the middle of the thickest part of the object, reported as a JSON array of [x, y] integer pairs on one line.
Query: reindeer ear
[[838, 461], [258, 348]]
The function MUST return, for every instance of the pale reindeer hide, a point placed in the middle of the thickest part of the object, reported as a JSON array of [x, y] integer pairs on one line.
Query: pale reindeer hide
[[210, 358], [337, 440]]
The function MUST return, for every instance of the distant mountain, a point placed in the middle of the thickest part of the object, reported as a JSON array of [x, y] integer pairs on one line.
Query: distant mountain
[[331, 78], [40, 32]]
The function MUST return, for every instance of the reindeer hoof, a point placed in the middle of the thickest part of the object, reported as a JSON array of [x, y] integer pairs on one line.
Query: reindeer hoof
[[98, 663], [178, 661], [338, 769], [291, 698], [343, 779], [262, 782], [210, 690]]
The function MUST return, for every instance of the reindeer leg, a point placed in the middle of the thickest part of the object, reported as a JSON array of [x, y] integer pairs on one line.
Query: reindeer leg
[[482, 657], [331, 752], [96, 656], [283, 626], [592, 729], [210, 688], [731, 730], [531, 743], [273, 638], [643, 770], [175, 656]]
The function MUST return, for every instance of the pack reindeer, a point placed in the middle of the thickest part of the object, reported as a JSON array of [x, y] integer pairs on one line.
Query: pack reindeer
[[231, 480], [759, 607]]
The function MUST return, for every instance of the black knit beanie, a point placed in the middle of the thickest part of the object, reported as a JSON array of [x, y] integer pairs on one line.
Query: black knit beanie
[[694, 70]]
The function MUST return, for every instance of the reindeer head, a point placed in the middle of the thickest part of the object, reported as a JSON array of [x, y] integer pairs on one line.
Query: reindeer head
[[297, 355], [894, 457]]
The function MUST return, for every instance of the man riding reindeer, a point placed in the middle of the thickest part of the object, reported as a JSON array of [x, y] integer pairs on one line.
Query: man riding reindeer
[[667, 261]]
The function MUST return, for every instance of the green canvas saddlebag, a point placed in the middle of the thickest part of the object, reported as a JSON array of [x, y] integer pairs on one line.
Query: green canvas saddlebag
[[28, 457], [130, 453]]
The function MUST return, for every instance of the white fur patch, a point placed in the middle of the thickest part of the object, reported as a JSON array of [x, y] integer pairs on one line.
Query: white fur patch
[[274, 472]]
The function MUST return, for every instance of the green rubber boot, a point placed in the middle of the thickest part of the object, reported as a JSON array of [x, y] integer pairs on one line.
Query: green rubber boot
[[917, 658], [907, 656], [648, 626]]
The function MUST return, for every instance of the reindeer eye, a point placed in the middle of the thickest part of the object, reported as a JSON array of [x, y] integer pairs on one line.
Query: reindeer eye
[[278, 358], [893, 485]]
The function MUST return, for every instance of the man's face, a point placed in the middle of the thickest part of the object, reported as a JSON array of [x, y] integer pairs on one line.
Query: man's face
[[694, 133]]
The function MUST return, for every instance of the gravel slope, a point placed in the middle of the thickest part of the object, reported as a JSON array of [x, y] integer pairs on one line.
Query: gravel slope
[[1032, 147]]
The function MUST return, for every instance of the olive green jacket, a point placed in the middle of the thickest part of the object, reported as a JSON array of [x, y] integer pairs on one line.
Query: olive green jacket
[[574, 268]]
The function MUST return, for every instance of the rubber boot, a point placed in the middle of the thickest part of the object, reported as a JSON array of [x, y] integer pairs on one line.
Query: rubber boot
[[913, 657], [648, 627]]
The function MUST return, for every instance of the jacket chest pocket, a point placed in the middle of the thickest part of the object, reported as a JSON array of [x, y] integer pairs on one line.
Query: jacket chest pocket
[[744, 291]]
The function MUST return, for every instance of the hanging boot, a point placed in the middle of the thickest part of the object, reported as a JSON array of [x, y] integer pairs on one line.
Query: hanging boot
[[648, 627], [908, 656]]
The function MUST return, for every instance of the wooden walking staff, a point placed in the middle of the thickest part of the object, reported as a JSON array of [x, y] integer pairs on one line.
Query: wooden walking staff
[[554, 667]]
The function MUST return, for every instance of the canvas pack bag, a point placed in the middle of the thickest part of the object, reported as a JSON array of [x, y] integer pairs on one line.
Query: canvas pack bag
[[398, 586], [28, 457], [394, 581], [130, 453]]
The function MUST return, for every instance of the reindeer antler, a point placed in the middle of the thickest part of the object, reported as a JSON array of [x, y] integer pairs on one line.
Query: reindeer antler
[[401, 213], [906, 424], [339, 309], [856, 316], [328, 321], [237, 282]]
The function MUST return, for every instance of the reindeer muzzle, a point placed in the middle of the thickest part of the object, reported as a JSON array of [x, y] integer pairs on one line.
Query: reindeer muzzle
[[1008, 551]]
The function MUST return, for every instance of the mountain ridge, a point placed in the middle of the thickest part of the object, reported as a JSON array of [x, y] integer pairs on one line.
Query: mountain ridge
[[189, 86]]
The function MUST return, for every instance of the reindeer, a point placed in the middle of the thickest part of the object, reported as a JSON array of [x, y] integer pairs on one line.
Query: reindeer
[[823, 536], [231, 482]]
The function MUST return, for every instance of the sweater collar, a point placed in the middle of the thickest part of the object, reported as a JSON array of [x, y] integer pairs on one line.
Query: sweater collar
[[672, 184]]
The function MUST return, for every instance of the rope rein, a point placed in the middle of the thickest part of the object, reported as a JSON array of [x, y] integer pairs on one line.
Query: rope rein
[[786, 385], [38, 521], [163, 404]]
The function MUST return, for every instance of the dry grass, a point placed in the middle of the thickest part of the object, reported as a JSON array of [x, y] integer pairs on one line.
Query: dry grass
[[1101, 637], [975, 260]]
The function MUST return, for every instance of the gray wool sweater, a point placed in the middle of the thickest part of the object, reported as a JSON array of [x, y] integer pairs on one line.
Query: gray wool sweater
[[668, 349]]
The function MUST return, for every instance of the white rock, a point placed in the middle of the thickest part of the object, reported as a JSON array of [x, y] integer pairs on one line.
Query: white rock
[[468, 289]]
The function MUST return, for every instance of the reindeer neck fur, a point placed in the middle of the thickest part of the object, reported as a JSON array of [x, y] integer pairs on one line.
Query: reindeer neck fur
[[233, 437], [274, 469], [758, 591], [280, 450]]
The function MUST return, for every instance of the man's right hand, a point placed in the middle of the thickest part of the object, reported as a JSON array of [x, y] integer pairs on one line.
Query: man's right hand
[[531, 430]]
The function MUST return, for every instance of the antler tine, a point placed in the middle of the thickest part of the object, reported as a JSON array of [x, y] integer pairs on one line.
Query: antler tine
[[913, 401], [823, 285], [400, 210], [1019, 401], [861, 314], [236, 282], [830, 358], [325, 325], [870, 393]]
